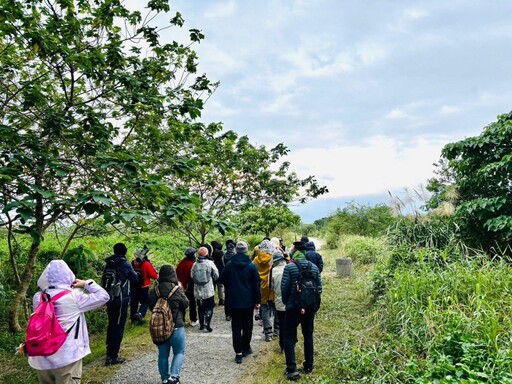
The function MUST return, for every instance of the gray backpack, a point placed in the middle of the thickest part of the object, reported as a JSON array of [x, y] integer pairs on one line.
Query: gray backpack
[[201, 273]]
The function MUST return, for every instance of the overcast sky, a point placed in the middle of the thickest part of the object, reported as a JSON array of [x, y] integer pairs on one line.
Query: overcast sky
[[365, 93]]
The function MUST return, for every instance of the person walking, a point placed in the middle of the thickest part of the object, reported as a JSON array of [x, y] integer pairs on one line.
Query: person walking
[[218, 259], [228, 254], [183, 270], [296, 315], [139, 291], [178, 303], [204, 273], [117, 307], [313, 256], [242, 280], [263, 262], [276, 276], [65, 365]]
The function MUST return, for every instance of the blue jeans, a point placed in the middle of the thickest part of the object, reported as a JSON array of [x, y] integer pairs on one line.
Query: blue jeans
[[177, 343]]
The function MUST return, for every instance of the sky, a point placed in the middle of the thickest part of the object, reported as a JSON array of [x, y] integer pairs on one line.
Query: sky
[[364, 93]]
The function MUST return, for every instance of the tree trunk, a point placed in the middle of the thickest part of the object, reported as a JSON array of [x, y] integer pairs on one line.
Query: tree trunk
[[21, 292]]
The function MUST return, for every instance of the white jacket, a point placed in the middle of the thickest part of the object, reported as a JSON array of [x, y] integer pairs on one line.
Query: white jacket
[[207, 290], [275, 284], [57, 277]]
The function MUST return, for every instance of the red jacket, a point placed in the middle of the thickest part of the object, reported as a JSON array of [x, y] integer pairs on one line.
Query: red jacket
[[183, 271], [147, 271]]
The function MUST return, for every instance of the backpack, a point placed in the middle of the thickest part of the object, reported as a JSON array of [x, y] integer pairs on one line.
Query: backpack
[[110, 280], [307, 291], [201, 273], [44, 333], [161, 324], [138, 272]]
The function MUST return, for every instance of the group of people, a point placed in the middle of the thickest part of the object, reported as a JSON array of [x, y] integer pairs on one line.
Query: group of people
[[265, 282]]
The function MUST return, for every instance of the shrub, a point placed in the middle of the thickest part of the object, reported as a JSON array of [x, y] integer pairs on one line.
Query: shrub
[[360, 249]]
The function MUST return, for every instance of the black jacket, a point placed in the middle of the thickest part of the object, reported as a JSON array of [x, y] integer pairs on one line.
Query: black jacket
[[313, 256], [178, 302], [242, 280], [126, 272]]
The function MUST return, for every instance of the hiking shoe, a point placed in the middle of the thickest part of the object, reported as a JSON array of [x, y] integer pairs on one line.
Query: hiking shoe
[[307, 369], [208, 329], [228, 318], [173, 380], [247, 353], [117, 360], [194, 323], [292, 375], [201, 328], [139, 318], [238, 358], [268, 338]]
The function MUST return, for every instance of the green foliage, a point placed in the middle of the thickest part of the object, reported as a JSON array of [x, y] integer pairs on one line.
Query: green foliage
[[481, 169], [424, 231], [454, 318], [267, 220], [230, 176], [360, 249], [357, 219]]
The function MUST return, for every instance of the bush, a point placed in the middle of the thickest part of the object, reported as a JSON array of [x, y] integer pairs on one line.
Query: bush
[[360, 249]]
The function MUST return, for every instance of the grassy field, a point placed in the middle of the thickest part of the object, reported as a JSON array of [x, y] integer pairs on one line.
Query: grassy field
[[342, 326]]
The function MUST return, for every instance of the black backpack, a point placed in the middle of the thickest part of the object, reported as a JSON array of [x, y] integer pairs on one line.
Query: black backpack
[[138, 272], [307, 295], [110, 279]]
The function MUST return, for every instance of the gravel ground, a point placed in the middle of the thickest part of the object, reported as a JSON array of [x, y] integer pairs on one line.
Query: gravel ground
[[209, 357]]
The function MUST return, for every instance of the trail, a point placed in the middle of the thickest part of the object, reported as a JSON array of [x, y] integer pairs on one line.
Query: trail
[[209, 357]]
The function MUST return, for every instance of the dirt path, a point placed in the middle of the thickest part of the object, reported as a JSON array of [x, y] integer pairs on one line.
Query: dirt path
[[209, 357]]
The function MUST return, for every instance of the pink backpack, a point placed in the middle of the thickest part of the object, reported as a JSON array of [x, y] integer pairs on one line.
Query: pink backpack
[[44, 333]]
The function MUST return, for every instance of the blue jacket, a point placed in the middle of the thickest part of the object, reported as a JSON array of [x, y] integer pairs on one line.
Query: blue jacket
[[291, 275], [126, 272], [313, 256], [242, 281]]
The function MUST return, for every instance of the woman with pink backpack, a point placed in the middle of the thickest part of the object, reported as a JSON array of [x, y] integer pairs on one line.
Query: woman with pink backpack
[[70, 302]]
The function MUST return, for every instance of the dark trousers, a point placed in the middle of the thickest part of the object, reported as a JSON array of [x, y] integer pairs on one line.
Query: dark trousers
[[117, 313], [227, 311], [292, 320], [192, 307], [241, 328], [138, 295], [281, 315], [205, 310]]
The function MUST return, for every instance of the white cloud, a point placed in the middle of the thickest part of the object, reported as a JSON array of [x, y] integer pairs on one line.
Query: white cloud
[[282, 104], [378, 165], [218, 110], [449, 109], [397, 114], [414, 14], [221, 10]]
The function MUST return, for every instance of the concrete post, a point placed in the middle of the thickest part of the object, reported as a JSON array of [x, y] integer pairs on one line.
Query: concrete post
[[344, 266]]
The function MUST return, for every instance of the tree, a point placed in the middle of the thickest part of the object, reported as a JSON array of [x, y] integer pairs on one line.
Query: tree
[[230, 175], [361, 220], [79, 106], [267, 219], [480, 169]]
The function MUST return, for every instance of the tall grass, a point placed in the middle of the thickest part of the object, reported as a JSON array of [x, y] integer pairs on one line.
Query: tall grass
[[454, 320], [361, 249]]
